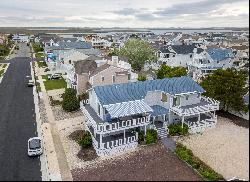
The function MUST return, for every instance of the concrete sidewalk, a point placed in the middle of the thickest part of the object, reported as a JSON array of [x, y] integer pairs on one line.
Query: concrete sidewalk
[[55, 151]]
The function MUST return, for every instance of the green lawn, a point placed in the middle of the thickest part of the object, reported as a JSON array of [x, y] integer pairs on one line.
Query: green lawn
[[41, 64], [54, 84]]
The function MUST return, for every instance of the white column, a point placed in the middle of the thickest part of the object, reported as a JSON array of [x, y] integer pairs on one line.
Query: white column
[[145, 128], [199, 117], [169, 117], [100, 139], [124, 134], [214, 114]]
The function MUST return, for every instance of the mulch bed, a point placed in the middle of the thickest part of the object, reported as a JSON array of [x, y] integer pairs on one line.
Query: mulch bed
[[150, 163], [87, 154], [235, 119]]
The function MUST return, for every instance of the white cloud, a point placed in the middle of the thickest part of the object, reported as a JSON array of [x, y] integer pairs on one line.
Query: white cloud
[[124, 13]]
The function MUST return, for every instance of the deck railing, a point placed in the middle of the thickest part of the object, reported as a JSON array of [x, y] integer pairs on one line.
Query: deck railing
[[212, 105], [106, 127]]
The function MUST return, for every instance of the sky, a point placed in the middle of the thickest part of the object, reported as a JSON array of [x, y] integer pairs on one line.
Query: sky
[[124, 13]]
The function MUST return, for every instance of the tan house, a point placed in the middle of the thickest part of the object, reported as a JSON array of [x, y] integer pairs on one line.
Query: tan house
[[87, 74]]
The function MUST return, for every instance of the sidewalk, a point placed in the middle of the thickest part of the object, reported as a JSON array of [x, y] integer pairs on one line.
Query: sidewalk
[[62, 168]]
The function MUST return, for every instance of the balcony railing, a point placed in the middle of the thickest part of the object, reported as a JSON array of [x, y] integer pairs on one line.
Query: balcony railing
[[206, 105], [102, 127]]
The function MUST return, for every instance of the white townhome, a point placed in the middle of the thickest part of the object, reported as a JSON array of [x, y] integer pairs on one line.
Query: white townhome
[[114, 112]]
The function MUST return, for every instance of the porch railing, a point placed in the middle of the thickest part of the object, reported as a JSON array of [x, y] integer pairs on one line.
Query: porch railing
[[105, 127], [200, 126]]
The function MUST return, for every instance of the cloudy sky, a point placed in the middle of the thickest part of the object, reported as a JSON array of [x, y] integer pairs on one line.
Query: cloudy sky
[[125, 13]]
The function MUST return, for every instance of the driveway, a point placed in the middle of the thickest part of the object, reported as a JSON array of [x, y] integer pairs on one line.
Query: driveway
[[224, 148], [17, 121]]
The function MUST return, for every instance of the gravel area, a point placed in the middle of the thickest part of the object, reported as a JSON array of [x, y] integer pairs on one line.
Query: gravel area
[[42, 110], [224, 148], [60, 114], [151, 163]]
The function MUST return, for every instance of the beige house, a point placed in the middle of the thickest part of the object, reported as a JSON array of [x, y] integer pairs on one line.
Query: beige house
[[87, 74]]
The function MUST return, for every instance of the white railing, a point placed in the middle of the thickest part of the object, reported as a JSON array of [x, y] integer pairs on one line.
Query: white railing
[[103, 128], [114, 147], [211, 106], [201, 126], [85, 101]]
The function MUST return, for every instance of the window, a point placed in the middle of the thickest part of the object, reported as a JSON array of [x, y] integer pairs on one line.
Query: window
[[99, 109], [113, 78], [164, 97], [167, 55], [102, 78], [129, 76], [191, 55], [187, 97], [173, 55]]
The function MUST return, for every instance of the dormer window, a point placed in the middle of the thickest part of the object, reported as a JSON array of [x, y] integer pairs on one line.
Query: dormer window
[[102, 78]]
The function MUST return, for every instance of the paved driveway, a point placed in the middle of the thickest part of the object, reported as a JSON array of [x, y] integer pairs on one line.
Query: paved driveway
[[17, 121]]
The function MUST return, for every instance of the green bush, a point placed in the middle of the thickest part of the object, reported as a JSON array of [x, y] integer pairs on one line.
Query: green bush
[[142, 78], [84, 139], [176, 129], [205, 171], [70, 101], [141, 137], [151, 136]]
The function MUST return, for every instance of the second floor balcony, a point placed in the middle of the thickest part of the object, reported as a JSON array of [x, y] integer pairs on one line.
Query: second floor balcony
[[118, 124]]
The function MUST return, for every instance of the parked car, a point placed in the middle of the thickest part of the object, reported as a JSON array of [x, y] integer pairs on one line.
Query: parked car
[[31, 83], [35, 146], [54, 76]]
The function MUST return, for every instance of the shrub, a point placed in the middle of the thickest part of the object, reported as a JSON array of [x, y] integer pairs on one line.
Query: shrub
[[83, 96], [142, 78], [84, 139], [176, 129], [151, 136], [205, 171], [70, 101], [141, 137]]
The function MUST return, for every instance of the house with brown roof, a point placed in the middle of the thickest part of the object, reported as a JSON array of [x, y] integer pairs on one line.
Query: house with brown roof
[[95, 71]]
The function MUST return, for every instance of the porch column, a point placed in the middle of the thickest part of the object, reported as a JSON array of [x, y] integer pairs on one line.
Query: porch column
[[100, 139], [182, 121], [145, 129], [199, 117], [124, 135], [169, 117], [214, 114]]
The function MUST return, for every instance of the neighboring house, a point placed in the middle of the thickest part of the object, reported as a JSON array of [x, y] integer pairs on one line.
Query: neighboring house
[[206, 62], [95, 71], [21, 38], [114, 112], [177, 55]]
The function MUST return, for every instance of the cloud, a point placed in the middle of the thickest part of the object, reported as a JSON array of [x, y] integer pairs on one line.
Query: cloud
[[125, 13]]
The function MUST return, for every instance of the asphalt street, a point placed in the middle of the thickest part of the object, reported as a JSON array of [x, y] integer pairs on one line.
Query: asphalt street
[[17, 121]]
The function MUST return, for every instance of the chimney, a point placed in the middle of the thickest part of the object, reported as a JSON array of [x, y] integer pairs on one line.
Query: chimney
[[115, 60]]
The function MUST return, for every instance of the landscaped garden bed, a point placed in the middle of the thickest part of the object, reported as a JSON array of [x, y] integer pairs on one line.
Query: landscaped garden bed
[[205, 171], [83, 138], [177, 129]]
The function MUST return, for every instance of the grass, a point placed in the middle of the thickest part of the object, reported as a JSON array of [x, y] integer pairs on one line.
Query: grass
[[205, 171], [39, 55], [54, 84], [41, 64]]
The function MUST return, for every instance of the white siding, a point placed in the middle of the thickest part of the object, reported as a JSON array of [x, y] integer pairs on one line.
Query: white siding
[[154, 98], [192, 99]]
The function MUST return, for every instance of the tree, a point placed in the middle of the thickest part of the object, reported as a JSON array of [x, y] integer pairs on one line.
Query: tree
[[138, 53], [168, 72], [70, 101], [228, 87]]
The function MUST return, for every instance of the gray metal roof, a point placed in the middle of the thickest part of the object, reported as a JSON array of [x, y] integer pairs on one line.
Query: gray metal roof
[[118, 93]]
